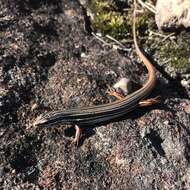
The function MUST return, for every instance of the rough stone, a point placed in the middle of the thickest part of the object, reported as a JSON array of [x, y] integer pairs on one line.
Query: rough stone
[[42, 69], [173, 14]]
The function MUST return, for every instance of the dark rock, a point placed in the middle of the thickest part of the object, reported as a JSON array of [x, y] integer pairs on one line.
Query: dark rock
[[49, 62]]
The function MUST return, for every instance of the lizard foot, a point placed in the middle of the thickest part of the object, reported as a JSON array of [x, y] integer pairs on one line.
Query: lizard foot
[[111, 91], [77, 135], [150, 101]]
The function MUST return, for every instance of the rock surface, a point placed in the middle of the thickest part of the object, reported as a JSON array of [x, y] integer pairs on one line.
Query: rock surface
[[49, 62], [173, 14]]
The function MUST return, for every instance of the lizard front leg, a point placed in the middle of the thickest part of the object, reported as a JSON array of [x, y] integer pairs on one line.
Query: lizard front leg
[[124, 86], [78, 132]]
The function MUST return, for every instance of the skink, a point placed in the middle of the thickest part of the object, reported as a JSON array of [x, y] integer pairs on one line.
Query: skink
[[88, 116]]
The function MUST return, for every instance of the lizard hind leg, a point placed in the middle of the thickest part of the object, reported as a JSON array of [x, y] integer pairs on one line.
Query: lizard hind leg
[[120, 89], [111, 91], [78, 133], [150, 101]]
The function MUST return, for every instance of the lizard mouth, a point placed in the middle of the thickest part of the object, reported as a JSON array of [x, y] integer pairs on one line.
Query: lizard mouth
[[39, 121]]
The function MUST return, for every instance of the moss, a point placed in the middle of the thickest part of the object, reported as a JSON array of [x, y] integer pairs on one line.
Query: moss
[[98, 5], [108, 18], [112, 23], [180, 62], [178, 53], [103, 5]]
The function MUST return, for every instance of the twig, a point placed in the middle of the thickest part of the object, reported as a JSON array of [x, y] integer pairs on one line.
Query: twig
[[148, 6], [120, 46], [165, 37], [168, 36], [100, 39], [116, 41], [151, 5], [157, 34]]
